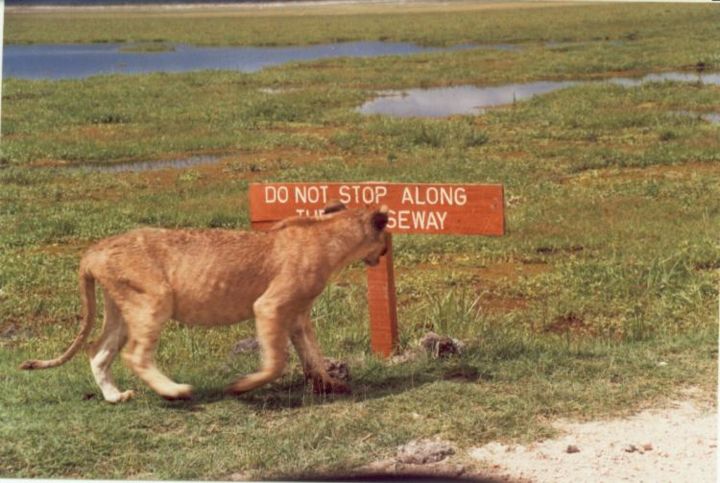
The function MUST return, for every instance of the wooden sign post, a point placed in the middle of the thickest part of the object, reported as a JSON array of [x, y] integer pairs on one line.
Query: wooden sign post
[[459, 209]]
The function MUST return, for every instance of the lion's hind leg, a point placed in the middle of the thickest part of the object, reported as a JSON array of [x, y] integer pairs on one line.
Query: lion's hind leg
[[103, 352], [145, 311]]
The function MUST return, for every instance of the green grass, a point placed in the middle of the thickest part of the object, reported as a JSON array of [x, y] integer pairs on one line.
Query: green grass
[[609, 266]]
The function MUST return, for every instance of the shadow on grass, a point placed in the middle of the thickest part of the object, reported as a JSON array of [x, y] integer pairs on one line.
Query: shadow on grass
[[295, 393]]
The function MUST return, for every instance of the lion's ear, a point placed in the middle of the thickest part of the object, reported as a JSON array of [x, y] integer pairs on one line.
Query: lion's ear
[[379, 219], [333, 207]]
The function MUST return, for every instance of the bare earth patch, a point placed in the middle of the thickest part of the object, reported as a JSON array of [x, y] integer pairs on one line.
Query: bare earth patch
[[678, 443]]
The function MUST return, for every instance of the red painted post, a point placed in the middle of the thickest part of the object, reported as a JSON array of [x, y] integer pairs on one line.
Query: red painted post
[[382, 304]]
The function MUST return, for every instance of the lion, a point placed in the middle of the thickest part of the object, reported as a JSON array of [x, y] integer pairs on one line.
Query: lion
[[213, 277]]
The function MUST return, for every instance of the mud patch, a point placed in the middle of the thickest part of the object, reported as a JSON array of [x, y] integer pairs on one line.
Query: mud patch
[[493, 284], [568, 323], [511, 271], [707, 266], [493, 301], [546, 250]]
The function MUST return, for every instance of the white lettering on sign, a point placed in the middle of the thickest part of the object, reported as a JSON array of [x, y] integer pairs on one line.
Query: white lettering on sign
[[369, 195], [304, 212], [417, 219], [434, 195], [276, 194], [416, 208], [311, 194], [472, 209]]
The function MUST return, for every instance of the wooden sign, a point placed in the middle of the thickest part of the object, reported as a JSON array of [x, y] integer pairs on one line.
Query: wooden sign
[[414, 208], [460, 209]]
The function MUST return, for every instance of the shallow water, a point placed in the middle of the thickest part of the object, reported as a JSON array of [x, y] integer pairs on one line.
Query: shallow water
[[713, 78], [440, 102], [447, 101], [137, 167], [711, 117], [48, 61]]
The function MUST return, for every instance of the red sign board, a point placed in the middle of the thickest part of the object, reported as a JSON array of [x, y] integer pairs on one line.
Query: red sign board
[[459, 209]]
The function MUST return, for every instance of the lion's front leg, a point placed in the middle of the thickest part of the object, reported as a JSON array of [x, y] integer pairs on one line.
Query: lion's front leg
[[303, 338], [273, 338]]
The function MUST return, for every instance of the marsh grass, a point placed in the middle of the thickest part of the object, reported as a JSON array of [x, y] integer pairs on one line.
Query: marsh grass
[[148, 47], [609, 266], [441, 25]]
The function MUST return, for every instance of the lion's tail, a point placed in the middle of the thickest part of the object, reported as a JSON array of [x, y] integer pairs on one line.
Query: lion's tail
[[87, 296]]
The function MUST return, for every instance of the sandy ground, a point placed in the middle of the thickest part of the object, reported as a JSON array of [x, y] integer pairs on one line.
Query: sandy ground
[[674, 444]]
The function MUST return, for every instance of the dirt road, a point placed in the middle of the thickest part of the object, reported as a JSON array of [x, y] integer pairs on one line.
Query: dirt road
[[674, 444]]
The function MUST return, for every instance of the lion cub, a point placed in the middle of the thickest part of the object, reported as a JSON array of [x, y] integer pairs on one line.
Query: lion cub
[[217, 277]]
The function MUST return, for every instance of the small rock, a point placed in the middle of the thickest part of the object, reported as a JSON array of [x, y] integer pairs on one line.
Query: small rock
[[647, 447], [572, 449], [424, 452], [441, 346], [403, 357], [337, 369], [250, 344], [460, 345], [632, 449]]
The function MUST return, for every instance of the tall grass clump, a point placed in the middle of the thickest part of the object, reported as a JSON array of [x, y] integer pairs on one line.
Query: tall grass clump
[[340, 317]]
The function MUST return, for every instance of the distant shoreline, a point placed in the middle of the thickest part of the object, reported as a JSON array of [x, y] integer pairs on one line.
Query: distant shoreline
[[273, 4], [242, 5], [290, 4]]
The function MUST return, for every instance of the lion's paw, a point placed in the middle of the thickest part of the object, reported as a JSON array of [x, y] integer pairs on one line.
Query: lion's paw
[[120, 397], [178, 392]]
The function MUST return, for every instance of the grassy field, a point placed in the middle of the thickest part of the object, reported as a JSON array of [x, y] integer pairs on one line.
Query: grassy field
[[425, 23], [609, 268]]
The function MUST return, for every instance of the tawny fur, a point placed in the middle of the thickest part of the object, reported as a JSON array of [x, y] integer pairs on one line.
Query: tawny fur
[[218, 277]]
